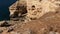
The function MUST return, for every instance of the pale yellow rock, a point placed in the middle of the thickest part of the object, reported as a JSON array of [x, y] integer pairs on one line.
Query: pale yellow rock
[[37, 8], [45, 5]]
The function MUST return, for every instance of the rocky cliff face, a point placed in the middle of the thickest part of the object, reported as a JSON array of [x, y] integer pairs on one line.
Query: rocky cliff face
[[40, 7], [34, 9], [34, 17]]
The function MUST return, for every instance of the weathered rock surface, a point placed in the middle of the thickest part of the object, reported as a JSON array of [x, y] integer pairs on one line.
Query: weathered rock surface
[[34, 8], [47, 24], [45, 16]]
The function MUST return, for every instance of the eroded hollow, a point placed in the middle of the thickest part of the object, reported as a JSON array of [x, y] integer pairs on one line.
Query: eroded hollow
[[20, 10], [33, 7], [40, 0]]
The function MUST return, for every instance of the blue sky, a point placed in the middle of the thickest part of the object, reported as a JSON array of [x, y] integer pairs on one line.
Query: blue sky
[[4, 11], [6, 2]]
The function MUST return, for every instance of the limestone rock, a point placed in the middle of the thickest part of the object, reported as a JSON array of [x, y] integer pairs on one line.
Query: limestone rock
[[34, 9], [41, 7]]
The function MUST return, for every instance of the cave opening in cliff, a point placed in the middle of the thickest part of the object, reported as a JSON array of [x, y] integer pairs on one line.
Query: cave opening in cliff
[[21, 10]]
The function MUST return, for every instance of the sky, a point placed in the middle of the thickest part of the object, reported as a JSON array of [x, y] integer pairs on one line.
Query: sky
[[4, 8]]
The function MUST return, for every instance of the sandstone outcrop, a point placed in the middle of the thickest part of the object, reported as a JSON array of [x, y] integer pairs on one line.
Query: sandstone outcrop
[[34, 9], [33, 17]]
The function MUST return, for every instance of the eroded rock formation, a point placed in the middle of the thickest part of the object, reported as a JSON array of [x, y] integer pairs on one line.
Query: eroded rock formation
[[34, 9]]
